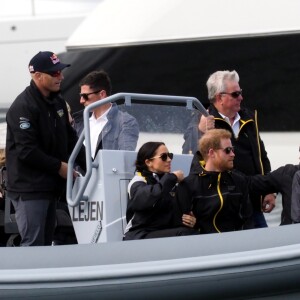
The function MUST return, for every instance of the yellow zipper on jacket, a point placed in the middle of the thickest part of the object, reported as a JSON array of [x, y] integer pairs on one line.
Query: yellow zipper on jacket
[[259, 154], [222, 203], [258, 144]]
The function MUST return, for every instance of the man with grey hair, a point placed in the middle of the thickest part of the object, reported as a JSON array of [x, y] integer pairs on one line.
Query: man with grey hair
[[225, 96]]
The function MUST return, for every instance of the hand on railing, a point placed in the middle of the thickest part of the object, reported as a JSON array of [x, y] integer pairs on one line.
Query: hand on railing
[[63, 171]]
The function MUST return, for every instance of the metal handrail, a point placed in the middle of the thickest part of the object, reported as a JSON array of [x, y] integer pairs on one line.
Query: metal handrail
[[129, 98]]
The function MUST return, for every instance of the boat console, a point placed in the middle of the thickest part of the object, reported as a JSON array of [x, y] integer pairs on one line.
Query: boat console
[[100, 216], [98, 200]]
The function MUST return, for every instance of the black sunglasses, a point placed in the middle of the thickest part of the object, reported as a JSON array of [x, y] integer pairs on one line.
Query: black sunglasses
[[227, 150], [54, 74], [235, 94], [85, 96], [164, 156]]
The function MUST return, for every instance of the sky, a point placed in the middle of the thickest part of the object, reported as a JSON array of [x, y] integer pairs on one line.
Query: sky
[[17, 8]]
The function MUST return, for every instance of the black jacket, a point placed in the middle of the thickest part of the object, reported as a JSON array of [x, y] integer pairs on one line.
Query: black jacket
[[277, 181], [252, 160], [151, 204], [248, 129], [39, 137], [219, 200]]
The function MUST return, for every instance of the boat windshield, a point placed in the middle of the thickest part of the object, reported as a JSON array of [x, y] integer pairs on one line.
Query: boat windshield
[[161, 123]]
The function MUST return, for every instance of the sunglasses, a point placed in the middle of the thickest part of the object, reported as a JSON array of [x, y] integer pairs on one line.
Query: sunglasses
[[164, 156], [227, 150], [54, 74], [85, 96], [235, 94]]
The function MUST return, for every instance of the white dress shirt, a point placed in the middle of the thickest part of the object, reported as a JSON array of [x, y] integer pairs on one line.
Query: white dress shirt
[[96, 127], [235, 125]]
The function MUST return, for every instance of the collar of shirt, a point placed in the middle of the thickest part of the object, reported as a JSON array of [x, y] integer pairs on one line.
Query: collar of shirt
[[102, 117], [235, 125]]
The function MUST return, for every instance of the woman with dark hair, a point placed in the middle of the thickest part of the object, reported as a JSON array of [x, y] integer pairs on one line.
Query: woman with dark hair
[[152, 210]]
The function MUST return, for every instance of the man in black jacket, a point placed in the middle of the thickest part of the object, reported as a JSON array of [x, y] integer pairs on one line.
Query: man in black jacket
[[38, 144], [225, 96], [213, 189], [218, 197]]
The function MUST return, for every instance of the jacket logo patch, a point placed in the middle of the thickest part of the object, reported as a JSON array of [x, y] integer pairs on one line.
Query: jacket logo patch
[[24, 123], [60, 112]]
